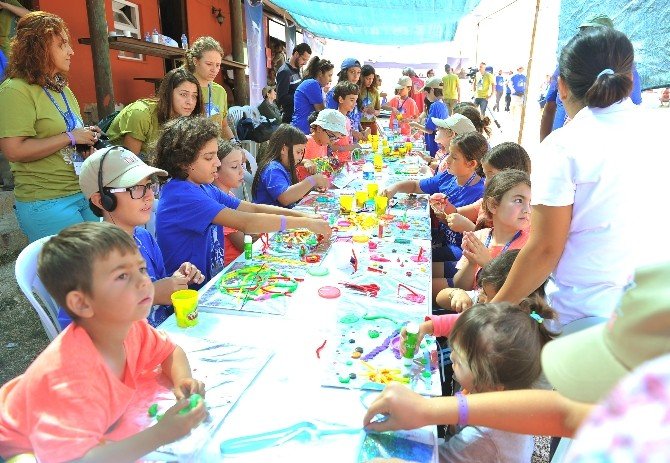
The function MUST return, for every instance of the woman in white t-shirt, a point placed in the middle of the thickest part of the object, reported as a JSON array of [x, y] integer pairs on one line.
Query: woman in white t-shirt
[[585, 185]]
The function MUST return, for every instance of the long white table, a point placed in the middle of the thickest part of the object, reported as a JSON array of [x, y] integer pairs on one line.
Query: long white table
[[288, 390]]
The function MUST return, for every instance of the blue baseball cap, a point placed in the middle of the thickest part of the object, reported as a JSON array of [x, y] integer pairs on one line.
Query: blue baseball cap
[[350, 63]]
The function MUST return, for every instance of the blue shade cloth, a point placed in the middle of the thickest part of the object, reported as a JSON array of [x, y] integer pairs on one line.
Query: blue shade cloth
[[645, 24], [380, 22]]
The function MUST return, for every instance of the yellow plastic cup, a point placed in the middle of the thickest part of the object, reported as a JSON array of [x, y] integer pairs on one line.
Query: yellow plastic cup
[[185, 302], [378, 162], [361, 197], [346, 203], [373, 188], [408, 146], [381, 203]]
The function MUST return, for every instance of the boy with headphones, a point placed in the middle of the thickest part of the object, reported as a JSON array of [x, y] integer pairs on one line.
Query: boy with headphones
[[120, 189]]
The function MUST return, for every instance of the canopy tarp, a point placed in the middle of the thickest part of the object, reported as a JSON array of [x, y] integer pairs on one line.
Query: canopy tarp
[[646, 23], [380, 22]]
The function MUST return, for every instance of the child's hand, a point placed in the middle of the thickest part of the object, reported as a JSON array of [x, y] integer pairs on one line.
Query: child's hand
[[424, 329], [389, 192], [320, 227], [460, 301], [187, 387], [189, 272], [474, 250], [174, 426], [309, 166], [459, 223], [322, 182]]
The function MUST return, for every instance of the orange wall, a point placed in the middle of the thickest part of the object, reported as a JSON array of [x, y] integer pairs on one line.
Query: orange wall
[[126, 90]]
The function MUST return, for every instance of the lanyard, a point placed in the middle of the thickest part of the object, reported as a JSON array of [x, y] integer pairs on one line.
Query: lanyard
[[472, 177], [209, 100], [509, 243], [68, 116], [401, 106]]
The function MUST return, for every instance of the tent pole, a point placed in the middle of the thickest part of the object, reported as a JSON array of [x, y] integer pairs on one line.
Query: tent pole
[[530, 63]]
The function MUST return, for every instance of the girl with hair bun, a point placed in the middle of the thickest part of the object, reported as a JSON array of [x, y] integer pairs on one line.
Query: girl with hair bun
[[586, 184]]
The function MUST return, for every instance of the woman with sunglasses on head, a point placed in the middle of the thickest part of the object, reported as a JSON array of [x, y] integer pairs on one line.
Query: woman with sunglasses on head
[[41, 130], [138, 125], [276, 182]]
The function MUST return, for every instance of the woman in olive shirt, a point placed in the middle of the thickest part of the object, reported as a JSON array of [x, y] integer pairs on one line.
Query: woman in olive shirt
[[40, 124], [138, 125], [203, 59]]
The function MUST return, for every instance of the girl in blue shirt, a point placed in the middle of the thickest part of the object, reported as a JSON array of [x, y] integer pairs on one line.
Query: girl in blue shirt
[[308, 97], [192, 211], [461, 184], [276, 182]]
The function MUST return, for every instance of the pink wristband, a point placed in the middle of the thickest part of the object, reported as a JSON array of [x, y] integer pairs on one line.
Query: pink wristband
[[311, 180], [462, 409], [71, 137], [282, 223]]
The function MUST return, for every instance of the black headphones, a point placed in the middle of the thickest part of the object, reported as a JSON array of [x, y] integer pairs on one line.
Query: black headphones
[[107, 200]]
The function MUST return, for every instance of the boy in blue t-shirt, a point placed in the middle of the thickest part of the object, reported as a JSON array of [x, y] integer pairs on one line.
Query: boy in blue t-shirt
[[438, 110], [129, 193], [192, 212]]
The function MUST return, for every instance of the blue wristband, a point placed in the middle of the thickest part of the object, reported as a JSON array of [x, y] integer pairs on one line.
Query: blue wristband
[[462, 409], [282, 223]]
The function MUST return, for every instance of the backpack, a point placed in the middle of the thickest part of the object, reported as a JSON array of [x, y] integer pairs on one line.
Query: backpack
[[106, 122], [247, 131]]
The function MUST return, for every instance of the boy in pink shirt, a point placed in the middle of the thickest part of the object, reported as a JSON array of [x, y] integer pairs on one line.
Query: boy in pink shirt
[[70, 401], [403, 104]]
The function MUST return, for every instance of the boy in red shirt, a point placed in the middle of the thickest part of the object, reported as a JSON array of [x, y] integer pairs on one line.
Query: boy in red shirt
[[70, 401]]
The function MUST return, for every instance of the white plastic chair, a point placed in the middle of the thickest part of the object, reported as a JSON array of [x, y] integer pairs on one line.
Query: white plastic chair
[[235, 115], [26, 276], [244, 190]]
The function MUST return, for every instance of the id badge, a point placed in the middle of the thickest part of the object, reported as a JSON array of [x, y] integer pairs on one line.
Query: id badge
[[70, 156]]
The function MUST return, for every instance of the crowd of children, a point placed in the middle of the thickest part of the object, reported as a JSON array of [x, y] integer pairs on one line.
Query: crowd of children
[[113, 280]]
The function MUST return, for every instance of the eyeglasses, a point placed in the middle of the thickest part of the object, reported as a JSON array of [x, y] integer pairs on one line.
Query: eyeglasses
[[332, 136], [137, 191]]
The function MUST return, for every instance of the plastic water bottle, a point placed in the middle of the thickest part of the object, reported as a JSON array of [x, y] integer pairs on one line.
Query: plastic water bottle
[[184, 42], [396, 125], [155, 36], [368, 172], [147, 37]]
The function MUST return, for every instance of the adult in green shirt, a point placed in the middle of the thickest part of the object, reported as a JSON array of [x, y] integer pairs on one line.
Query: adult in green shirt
[[451, 89], [138, 125], [10, 13], [203, 59], [40, 124], [483, 88]]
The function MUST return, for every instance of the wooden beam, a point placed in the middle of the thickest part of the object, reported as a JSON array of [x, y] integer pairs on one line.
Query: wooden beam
[[240, 91], [530, 63], [102, 69]]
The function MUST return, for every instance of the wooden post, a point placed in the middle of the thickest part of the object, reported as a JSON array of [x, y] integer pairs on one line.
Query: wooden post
[[530, 63], [102, 70], [240, 91]]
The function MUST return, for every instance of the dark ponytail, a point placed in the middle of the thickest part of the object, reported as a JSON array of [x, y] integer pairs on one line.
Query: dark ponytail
[[315, 66], [584, 59]]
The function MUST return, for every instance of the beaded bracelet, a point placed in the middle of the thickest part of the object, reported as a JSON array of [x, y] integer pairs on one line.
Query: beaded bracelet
[[462, 409], [282, 223]]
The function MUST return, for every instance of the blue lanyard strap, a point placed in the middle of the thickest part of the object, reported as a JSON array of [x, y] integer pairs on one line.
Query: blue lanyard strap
[[509, 243], [209, 100], [68, 115]]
